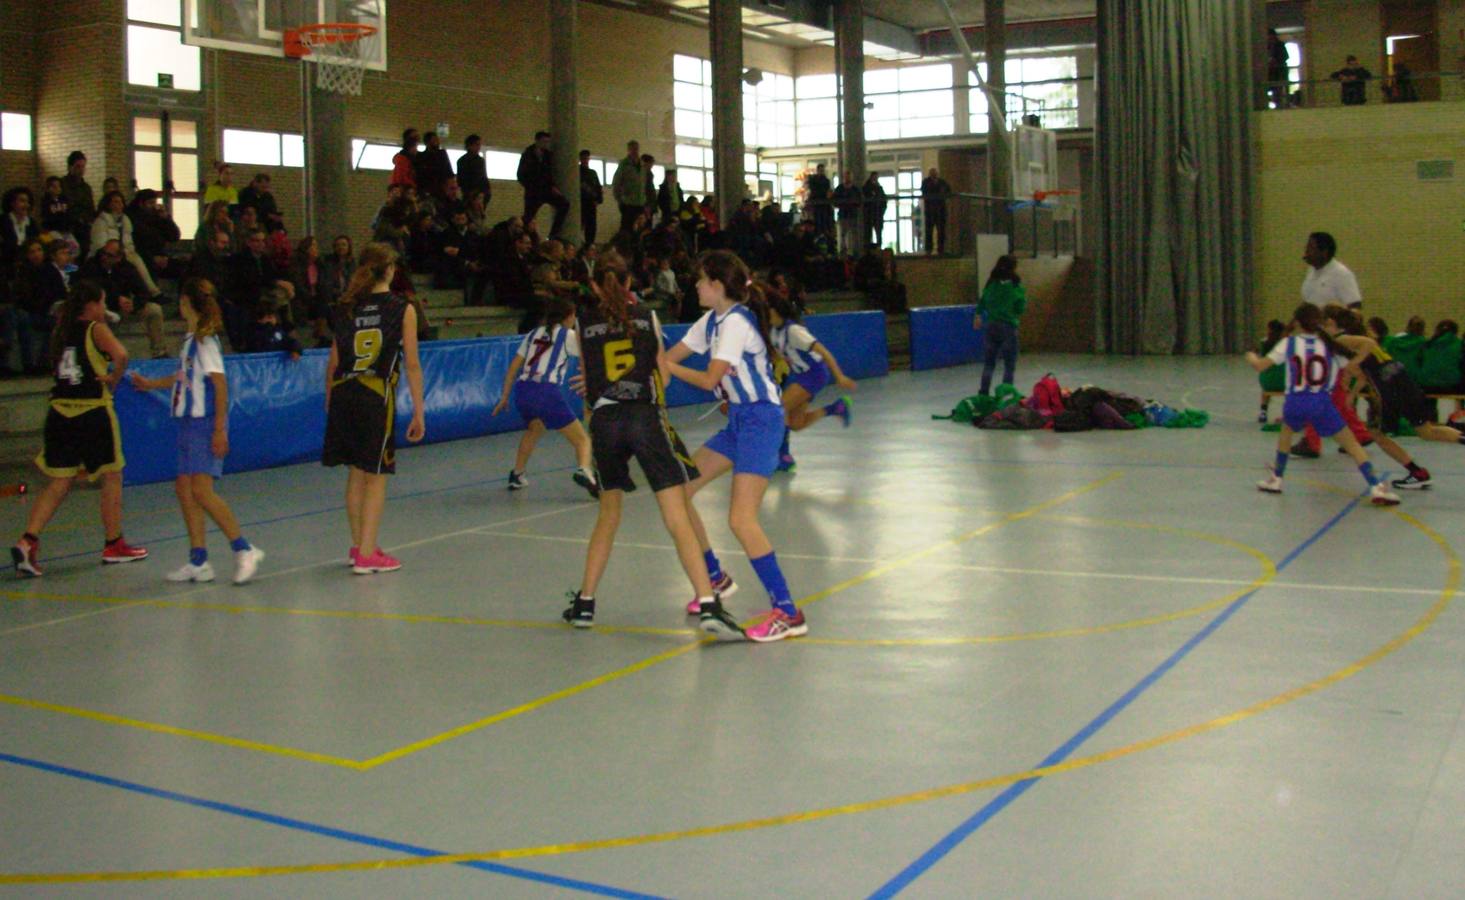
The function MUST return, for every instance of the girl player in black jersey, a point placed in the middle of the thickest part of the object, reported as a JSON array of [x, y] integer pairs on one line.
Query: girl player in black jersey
[[375, 332], [621, 350], [82, 436]]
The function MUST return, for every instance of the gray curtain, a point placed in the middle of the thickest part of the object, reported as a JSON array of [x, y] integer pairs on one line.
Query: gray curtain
[[1174, 176]]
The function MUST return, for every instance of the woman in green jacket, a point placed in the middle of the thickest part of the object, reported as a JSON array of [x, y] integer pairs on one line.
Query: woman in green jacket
[[1002, 304]]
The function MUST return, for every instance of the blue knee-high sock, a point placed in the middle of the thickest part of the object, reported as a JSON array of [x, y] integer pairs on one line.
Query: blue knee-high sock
[[1368, 475], [197, 556], [783, 448], [239, 544], [1280, 465], [714, 568], [772, 577]]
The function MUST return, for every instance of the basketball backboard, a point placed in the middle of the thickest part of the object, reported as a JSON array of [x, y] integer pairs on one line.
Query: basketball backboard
[[258, 26]]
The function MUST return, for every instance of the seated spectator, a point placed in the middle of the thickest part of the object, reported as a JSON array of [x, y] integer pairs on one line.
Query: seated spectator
[[248, 224], [270, 336], [212, 259], [152, 231], [421, 243], [222, 189], [875, 275], [126, 293], [456, 250], [335, 274], [40, 281], [693, 225], [55, 209], [280, 249], [666, 240], [1440, 359], [1378, 329], [306, 276], [259, 197], [709, 212], [393, 223], [477, 207], [450, 201], [113, 224], [17, 226], [664, 285], [215, 218], [513, 285], [253, 281]]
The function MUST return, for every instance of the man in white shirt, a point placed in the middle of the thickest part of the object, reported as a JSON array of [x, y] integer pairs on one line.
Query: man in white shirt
[[1328, 281]]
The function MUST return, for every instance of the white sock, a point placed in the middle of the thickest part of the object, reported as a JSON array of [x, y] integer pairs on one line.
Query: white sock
[[701, 600]]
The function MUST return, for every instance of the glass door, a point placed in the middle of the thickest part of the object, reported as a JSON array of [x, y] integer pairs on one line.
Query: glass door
[[165, 159]]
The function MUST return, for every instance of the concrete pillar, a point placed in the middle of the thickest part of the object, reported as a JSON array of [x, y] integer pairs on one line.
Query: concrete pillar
[[1259, 55], [726, 44], [999, 153], [849, 29], [564, 123], [327, 163]]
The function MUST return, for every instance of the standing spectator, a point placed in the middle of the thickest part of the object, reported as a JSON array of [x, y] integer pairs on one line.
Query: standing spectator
[[473, 170], [820, 201], [847, 201], [404, 163], [592, 194], [670, 199], [16, 227], [152, 231], [935, 192], [629, 187], [1276, 69], [709, 212], [433, 167], [259, 196], [1355, 82], [55, 209], [999, 311], [693, 225], [125, 292], [1401, 88], [876, 203], [536, 174], [113, 224], [1328, 280], [79, 198], [223, 187], [648, 163]]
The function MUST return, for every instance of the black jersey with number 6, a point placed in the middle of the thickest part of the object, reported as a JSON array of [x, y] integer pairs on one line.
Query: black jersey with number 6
[[620, 360], [369, 338]]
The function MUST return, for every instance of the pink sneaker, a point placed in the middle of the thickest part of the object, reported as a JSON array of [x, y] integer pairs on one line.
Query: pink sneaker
[[723, 588], [352, 556], [376, 563], [777, 625]]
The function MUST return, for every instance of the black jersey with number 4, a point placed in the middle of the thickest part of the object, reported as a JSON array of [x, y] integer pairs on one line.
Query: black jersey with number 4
[[620, 360], [369, 337], [80, 367]]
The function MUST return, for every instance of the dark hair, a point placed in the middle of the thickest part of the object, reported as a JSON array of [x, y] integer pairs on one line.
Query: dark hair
[[782, 304], [727, 269], [73, 157], [1005, 270], [1379, 327], [555, 310], [1444, 327], [14, 192], [56, 247], [1309, 318], [1275, 329], [25, 248], [83, 292], [53, 178], [107, 201], [1348, 321], [1325, 242], [540, 134], [1415, 326], [342, 237], [584, 152], [468, 141], [407, 138], [376, 259]]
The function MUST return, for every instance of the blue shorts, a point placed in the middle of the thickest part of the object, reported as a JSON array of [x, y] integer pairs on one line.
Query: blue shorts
[[1304, 409], [543, 401], [751, 439], [814, 380], [196, 447]]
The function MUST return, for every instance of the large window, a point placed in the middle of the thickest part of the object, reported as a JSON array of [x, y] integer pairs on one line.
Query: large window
[[817, 109], [263, 148], [156, 54], [15, 131], [1044, 86], [165, 159], [915, 101], [692, 97], [768, 112]]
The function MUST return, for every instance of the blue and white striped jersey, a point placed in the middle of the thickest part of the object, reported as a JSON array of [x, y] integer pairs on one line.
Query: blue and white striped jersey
[[795, 344], [1311, 368], [734, 339], [546, 352]]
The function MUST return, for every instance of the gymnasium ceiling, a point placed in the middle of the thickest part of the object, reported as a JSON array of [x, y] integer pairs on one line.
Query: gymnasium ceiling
[[923, 15]]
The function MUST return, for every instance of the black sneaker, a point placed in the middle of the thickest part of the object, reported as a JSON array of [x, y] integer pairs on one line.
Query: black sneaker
[[1302, 451], [517, 481], [717, 622], [586, 479], [1413, 482], [580, 613]]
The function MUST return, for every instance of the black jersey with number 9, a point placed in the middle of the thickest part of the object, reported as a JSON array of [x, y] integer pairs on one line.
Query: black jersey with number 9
[[369, 338]]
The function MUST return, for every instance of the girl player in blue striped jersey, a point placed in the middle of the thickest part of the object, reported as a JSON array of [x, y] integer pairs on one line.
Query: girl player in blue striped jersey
[[1312, 360], [541, 366], [810, 368], [735, 333]]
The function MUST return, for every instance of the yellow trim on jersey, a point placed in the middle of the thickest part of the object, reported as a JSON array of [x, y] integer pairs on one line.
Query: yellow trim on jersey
[[99, 361]]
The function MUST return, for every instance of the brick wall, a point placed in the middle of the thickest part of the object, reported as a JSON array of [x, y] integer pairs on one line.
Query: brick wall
[[18, 83]]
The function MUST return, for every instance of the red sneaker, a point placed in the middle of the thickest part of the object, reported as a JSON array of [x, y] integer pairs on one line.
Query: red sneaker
[[122, 552], [24, 554], [376, 563]]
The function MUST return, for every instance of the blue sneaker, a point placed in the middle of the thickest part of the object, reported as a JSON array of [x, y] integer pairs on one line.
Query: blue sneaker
[[843, 408], [786, 463]]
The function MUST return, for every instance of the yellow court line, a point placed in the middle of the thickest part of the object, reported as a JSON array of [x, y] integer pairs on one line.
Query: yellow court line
[[535, 704], [1446, 597]]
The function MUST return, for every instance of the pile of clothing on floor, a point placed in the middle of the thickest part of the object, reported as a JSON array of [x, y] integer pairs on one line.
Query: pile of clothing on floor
[[1051, 407]]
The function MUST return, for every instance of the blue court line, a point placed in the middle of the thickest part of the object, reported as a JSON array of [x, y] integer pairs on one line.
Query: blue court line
[[314, 512], [984, 815], [339, 834]]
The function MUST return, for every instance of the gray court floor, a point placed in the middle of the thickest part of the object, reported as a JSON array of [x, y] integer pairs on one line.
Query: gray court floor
[[1049, 665]]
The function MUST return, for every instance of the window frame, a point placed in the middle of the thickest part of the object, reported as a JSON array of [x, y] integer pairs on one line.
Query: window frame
[[129, 25], [30, 131]]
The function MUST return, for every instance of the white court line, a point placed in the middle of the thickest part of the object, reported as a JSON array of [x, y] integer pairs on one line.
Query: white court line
[[1010, 570]]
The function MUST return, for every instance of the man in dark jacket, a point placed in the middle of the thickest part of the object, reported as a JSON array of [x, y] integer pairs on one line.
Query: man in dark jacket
[[820, 200], [125, 293], [669, 200], [473, 171], [79, 198], [935, 191], [152, 232], [876, 202], [259, 196], [592, 194], [433, 166], [536, 174]]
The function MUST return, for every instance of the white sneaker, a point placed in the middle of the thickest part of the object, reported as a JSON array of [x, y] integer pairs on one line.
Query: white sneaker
[[246, 562], [1272, 484], [190, 572], [1380, 495]]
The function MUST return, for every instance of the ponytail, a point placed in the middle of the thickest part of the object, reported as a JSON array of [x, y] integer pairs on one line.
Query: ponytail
[[1309, 319], [613, 298], [205, 303], [83, 293], [376, 262]]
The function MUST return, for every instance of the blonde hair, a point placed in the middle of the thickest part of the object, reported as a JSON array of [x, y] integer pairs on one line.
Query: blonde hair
[[373, 266], [205, 302]]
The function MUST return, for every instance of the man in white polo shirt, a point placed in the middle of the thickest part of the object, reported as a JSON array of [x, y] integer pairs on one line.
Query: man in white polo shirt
[[1328, 281]]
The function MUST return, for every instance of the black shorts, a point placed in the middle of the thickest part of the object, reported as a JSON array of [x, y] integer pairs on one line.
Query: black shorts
[[1399, 398], [359, 428], [625, 430], [87, 441]]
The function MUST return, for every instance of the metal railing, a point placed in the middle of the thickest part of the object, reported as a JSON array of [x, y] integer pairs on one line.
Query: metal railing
[[1400, 88]]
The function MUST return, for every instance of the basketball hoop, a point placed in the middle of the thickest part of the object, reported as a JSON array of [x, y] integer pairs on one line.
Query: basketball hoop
[[340, 51]]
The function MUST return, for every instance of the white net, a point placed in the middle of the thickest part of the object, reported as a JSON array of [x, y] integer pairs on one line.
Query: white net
[[340, 55]]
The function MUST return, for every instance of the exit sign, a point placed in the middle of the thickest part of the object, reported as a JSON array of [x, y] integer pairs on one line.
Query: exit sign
[[165, 81]]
